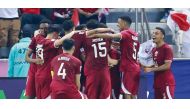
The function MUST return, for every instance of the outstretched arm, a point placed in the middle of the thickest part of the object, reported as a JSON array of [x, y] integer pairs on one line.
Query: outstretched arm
[[59, 42], [105, 35], [98, 30]]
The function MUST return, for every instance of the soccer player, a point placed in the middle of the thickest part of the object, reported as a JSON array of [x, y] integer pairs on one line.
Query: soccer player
[[66, 79], [164, 82], [46, 49], [129, 65], [30, 91], [96, 70]]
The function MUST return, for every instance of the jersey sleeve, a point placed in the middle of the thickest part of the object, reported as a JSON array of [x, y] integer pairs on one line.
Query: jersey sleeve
[[50, 44], [124, 35], [33, 44], [168, 54], [114, 54], [78, 67]]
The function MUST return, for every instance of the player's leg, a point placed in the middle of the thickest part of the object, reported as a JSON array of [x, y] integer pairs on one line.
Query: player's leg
[[91, 87], [158, 93], [30, 91], [105, 85]]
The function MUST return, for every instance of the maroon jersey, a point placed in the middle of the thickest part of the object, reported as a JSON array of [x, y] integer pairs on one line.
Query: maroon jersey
[[160, 55], [78, 38], [65, 68], [129, 49], [96, 50], [45, 50]]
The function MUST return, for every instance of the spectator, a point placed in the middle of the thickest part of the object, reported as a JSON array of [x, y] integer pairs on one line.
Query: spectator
[[18, 67], [62, 14], [166, 14], [9, 26], [86, 14], [31, 16]]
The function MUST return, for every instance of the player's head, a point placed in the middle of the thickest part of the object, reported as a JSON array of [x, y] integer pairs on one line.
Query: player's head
[[53, 31], [158, 35], [44, 24], [81, 27], [92, 24], [102, 25], [68, 26], [124, 22], [27, 31], [68, 46]]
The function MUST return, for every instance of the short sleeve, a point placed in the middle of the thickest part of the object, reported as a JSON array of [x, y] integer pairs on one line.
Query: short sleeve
[[78, 67], [33, 44], [168, 53], [50, 44], [124, 35]]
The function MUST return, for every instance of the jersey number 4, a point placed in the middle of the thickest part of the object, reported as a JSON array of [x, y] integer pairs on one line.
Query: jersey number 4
[[62, 71], [101, 48]]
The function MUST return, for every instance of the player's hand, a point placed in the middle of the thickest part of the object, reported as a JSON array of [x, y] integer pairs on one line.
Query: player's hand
[[146, 69], [39, 61]]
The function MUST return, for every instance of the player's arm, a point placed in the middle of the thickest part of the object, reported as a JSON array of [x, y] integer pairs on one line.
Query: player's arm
[[98, 30], [59, 42], [78, 81], [30, 60], [112, 62], [163, 67], [104, 35]]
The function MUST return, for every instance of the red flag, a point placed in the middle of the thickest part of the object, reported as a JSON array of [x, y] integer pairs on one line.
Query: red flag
[[75, 17]]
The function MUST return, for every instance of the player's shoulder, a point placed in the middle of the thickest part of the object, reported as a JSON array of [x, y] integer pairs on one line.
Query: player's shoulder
[[75, 59], [167, 47]]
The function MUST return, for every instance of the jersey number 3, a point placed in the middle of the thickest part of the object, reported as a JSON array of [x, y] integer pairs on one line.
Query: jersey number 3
[[102, 49]]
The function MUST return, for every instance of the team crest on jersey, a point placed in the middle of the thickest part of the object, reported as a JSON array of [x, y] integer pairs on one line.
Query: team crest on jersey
[[156, 54]]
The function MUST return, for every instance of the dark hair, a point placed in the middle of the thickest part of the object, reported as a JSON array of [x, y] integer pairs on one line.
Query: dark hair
[[27, 31], [102, 25], [68, 44], [92, 24], [161, 29], [53, 28], [126, 19], [80, 27], [68, 25], [45, 21]]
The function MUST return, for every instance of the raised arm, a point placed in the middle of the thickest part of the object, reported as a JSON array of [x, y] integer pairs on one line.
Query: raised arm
[[105, 35], [59, 42], [98, 30]]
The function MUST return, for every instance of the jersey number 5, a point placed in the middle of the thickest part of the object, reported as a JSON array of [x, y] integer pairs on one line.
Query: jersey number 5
[[61, 71], [101, 47]]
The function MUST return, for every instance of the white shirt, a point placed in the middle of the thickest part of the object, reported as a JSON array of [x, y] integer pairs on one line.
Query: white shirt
[[9, 13]]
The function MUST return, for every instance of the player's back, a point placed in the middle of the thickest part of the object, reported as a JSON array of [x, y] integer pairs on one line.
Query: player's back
[[129, 49], [96, 50], [65, 68], [78, 38]]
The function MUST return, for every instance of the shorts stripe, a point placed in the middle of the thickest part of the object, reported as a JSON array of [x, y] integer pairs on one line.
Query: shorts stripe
[[168, 92], [123, 87], [81, 94]]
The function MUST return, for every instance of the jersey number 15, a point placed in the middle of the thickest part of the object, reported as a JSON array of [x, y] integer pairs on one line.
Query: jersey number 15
[[102, 49]]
